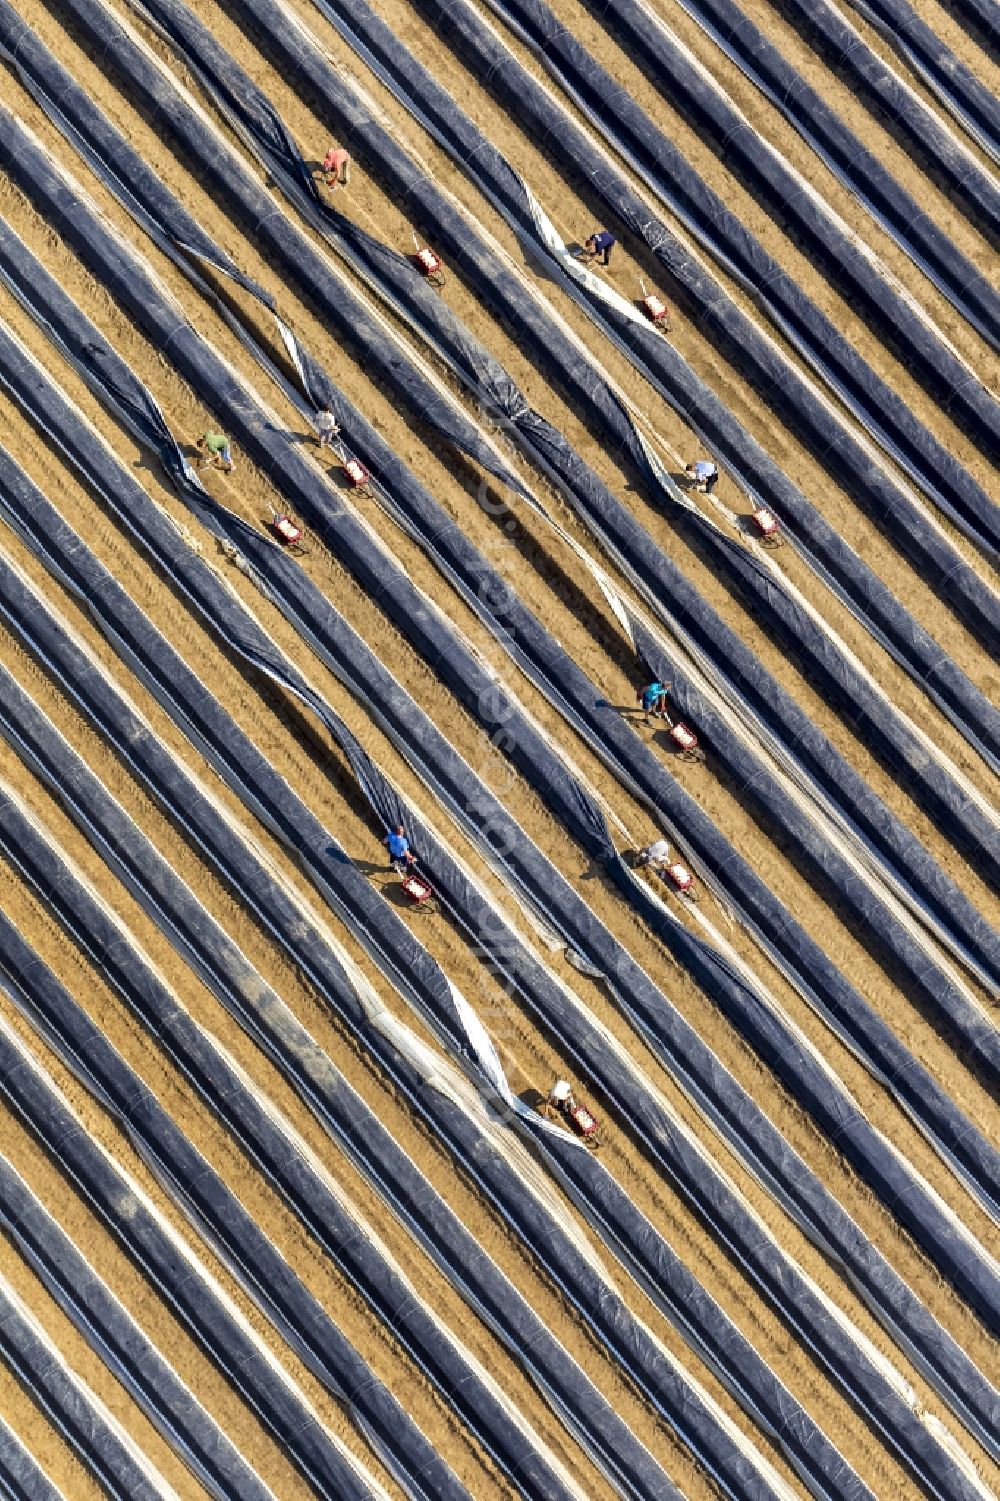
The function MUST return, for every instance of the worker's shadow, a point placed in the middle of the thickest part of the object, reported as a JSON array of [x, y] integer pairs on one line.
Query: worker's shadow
[[372, 868], [532, 1097]]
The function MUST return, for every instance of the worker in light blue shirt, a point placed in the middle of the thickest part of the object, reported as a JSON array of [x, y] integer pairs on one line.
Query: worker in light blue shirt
[[400, 854], [704, 475], [653, 699]]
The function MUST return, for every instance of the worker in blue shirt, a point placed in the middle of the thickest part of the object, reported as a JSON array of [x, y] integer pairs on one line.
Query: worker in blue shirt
[[601, 243], [704, 475], [654, 701], [400, 854]]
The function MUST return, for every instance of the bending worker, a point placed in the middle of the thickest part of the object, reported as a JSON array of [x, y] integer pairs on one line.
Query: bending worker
[[653, 699], [656, 854], [337, 167], [217, 450], [704, 475], [560, 1098], [601, 243], [400, 854]]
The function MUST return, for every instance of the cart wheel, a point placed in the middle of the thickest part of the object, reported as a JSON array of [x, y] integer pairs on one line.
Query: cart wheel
[[773, 543], [696, 755], [693, 894], [299, 549], [436, 279]]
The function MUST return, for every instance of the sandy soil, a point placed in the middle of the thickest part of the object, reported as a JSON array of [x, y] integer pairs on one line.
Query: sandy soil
[[573, 611]]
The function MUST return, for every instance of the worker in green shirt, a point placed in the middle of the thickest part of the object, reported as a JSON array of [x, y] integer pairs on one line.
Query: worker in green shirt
[[219, 454]]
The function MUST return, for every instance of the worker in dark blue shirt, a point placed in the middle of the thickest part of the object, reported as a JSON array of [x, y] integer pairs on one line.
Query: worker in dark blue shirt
[[601, 244], [400, 854]]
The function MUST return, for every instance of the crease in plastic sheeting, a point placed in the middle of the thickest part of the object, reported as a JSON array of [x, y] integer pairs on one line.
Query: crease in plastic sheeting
[[640, 222], [760, 164], [118, 1198], [282, 1047], [181, 238], [198, 1054], [964, 95], [871, 75], [476, 1105]]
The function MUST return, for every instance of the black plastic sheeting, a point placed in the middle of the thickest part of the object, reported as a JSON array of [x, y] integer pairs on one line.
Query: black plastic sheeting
[[534, 756], [248, 1120], [766, 174], [362, 1137], [155, 207], [103, 1451], [21, 1477], [626, 752], [737, 1364], [960, 394], [957, 169], [822, 661], [215, 1210], [874, 604], [474, 364], [966, 96], [864, 1147], [43, 531], [830, 440], [980, 19], [880, 409], [701, 1075], [104, 1323], [629, 1342]]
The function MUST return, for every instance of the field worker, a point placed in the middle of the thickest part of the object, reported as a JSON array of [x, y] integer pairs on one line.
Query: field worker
[[704, 475], [337, 167], [656, 854], [560, 1098], [400, 854], [601, 243], [326, 427], [219, 454], [653, 699]]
